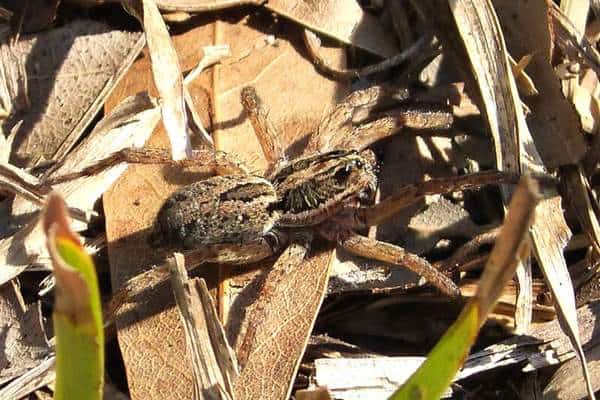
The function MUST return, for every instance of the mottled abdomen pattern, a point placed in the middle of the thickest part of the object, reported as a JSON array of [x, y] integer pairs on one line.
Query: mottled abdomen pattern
[[221, 209]]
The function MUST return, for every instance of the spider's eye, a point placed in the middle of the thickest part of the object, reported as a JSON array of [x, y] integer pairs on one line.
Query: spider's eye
[[342, 174], [359, 164]]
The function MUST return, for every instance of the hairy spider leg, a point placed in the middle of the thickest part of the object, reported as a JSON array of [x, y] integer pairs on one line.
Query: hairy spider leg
[[365, 216], [264, 130], [218, 162], [371, 215], [231, 254], [356, 123]]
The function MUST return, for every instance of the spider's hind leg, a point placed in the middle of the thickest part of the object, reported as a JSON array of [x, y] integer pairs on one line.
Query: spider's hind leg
[[227, 253], [217, 162]]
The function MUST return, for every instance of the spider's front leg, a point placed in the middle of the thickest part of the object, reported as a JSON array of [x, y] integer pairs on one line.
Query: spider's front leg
[[405, 196], [264, 130], [377, 250], [371, 215], [368, 115]]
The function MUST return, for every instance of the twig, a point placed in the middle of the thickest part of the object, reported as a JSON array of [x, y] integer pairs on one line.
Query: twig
[[212, 55], [426, 44], [464, 253]]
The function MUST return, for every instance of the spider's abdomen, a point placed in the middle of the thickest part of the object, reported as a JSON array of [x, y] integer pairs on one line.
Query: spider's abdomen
[[221, 209]]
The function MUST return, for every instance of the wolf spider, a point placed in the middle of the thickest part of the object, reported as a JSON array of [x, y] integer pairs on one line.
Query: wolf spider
[[238, 218]]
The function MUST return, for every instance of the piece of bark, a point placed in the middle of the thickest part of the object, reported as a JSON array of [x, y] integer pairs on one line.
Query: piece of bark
[[70, 71], [213, 362], [41, 375], [168, 80], [16, 180]]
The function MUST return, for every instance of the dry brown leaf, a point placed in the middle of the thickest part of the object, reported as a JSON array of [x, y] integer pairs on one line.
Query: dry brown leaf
[[151, 326], [343, 20], [70, 71], [287, 308], [295, 101], [149, 331], [129, 126], [23, 338]]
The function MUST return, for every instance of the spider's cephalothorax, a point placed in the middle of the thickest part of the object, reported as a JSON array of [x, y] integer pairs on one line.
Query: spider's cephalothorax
[[313, 188], [221, 209]]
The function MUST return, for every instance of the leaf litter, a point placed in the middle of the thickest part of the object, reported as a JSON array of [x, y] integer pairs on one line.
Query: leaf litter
[[269, 309]]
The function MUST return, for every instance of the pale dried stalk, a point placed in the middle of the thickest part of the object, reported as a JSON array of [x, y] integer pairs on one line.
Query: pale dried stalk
[[212, 55], [168, 80], [211, 381]]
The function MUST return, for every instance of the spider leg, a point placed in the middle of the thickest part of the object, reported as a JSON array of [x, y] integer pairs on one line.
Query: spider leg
[[409, 194], [377, 250], [219, 162], [265, 132], [233, 254], [355, 124]]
